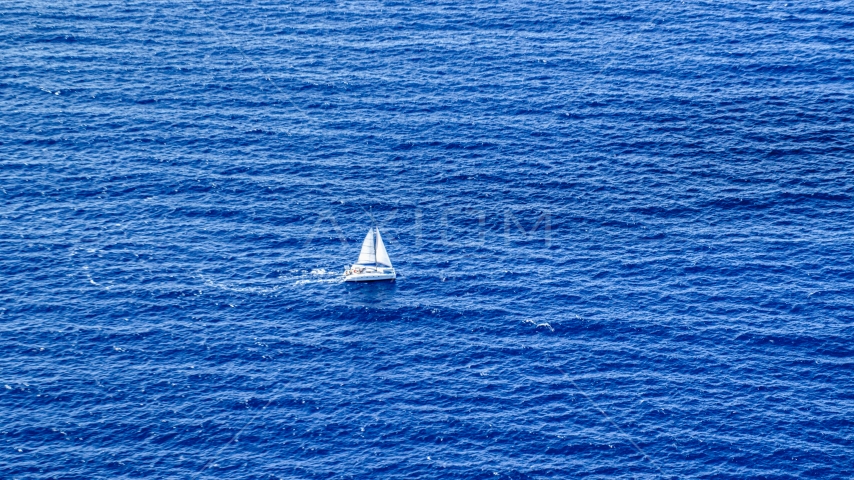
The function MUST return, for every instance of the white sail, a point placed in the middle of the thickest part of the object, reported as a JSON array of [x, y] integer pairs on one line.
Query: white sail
[[382, 254], [368, 255]]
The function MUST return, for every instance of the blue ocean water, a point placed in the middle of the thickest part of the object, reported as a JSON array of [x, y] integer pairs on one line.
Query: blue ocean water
[[623, 230]]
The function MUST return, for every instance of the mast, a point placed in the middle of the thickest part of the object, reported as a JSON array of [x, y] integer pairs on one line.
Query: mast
[[374, 226]]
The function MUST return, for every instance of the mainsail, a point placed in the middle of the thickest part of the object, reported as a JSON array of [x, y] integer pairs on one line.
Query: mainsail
[[368, 254], [382, 254]]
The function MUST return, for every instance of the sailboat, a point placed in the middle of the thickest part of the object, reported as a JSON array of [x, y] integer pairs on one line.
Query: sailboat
[[373, 263]]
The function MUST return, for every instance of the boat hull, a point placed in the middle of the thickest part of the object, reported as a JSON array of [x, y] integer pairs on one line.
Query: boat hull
[[370, 276]]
